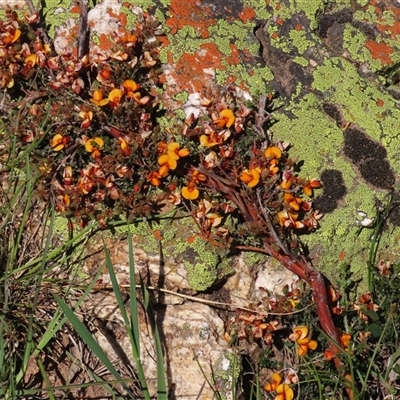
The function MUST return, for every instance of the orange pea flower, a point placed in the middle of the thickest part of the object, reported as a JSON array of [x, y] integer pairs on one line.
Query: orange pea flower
[[166, 160], [190, 192], [97, 98], [9, 37], [273, 384], [174, 152], [163, 170], [289, 219], [115, 97], [87, 117], [302, 336], [31, 60], [124, 147], [226, 118], [198, 177], [283, 390], [130, 87], [130, 38], [94, 146], [210, 140], [311, 184], [273, 152], [345, 340], [63, 202], [251, 177], [293, 202], [154, 178], [58, 142]]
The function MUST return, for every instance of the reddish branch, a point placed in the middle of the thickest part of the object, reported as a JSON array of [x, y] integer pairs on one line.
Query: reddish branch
[[253, 212]]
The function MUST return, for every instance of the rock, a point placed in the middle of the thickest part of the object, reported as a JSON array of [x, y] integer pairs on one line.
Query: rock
[[192, 335]]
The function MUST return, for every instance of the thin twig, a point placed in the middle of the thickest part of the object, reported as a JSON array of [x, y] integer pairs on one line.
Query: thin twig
[[204, 301], [261, 117], [41, 30], [271, 228]]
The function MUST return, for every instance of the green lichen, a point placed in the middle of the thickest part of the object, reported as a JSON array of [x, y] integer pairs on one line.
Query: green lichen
[[182, 96], [203, 262], [259, 8], [388, 18], [257, 79], [226, 373], [169, 122], [185, 40], [202, 270], [95, 39], [301, 60], [354, 43], [298, 38], [56, 13], [309, 8], [251, 258], [224, 33], [318, 141]]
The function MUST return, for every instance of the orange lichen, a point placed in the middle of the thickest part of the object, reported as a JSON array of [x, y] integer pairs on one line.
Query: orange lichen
[[246, 14], [188, 71], [380, 51], [190, 13]]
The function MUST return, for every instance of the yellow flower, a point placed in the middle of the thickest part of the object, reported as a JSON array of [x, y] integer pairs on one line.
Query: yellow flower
[[302, 336], [130, 87], [273, 152], [210, 140], [31, 60], [251, 177], [87, 116], [284, 391], [94, 146], [97, 98], [226, 118], [115, 97], [154, 178], [58, 142], [190, 192], [174, 152]]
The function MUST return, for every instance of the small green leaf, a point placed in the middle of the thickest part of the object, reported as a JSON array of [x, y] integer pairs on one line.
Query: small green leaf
[[375, 330], [373, 315]]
